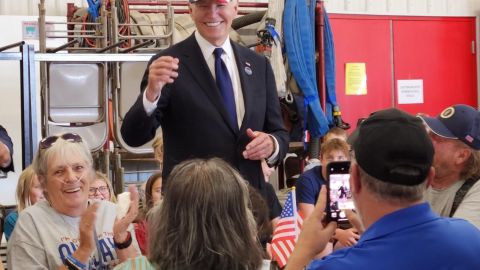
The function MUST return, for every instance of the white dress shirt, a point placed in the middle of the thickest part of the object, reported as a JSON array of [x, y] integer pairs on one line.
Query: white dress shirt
[[229, 59]]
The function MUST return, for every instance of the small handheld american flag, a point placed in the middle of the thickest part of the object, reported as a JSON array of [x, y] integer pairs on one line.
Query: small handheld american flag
[[287, 231]]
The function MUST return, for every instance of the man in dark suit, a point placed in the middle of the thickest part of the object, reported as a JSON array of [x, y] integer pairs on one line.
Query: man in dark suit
[[180, 92], [6, 151]]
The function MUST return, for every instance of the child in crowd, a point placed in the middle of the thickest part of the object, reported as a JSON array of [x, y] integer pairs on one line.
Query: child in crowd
[[310, 182], [333, 133], [29, 191], [153, 196], [101, 188]]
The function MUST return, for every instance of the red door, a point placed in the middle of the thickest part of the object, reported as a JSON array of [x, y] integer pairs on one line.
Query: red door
[[439, 52], [436, 50], [363, 39]]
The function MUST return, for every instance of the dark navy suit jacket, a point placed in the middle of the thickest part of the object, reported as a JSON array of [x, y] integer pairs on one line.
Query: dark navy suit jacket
[[195, 121], [4, 138]]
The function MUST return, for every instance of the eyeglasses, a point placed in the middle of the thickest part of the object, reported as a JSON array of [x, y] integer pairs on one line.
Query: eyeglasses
[[102, 190], [49, 141]]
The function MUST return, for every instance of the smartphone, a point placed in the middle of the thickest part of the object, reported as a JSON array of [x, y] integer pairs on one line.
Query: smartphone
[[339, 196]]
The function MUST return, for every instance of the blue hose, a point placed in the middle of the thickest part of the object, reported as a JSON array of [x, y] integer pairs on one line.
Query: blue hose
[[329, 58], [299, 36]]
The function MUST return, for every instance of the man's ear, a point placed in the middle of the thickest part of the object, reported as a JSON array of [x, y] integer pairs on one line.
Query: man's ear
[[355, 183], [462, 155], [430, 176]]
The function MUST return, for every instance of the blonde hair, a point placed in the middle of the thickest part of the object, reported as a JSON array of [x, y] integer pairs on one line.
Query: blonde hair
[[335, 144], [472, 165], [157, 145], [25, 182], [335, 132], [103, 177]]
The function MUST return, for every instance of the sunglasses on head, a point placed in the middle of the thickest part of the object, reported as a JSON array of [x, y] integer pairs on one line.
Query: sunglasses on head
[[47, 142]]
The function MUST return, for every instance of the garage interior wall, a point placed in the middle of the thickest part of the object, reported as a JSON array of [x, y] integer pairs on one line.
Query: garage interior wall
[[434, 51], [10, 102], [377, 7]]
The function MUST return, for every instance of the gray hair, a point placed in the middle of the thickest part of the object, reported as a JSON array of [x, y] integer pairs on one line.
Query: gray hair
[[472, 166], [62, 149], [390, 192], [204, 221]]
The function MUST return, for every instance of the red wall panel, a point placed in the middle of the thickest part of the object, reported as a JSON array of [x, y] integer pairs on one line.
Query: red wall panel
[[438, 51], [366, 41]]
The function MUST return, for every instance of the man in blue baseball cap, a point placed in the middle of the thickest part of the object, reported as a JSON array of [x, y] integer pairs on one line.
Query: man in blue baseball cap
[[455, 189]]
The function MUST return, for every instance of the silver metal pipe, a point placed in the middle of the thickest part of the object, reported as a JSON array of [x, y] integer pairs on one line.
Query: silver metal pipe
[[91, 57]]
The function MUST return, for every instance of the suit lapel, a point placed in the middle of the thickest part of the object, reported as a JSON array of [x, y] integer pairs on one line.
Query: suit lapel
[[246, 81], [198, 67]]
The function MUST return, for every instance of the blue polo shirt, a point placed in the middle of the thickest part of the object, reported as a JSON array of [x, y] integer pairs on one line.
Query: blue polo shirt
[[308, 185], [414, 238]]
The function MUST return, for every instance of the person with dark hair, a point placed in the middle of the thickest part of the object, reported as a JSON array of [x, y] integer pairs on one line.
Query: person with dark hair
[[389, 174], [153, 191], [204, 221], [153, 196], [455, 189], [6, 151]]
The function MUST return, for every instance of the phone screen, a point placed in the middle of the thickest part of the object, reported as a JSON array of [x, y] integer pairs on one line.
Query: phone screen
[[340, 195]]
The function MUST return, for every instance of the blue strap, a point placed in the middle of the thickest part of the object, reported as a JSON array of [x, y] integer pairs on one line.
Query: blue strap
[[93, 6], [329, 58], [271, 29]]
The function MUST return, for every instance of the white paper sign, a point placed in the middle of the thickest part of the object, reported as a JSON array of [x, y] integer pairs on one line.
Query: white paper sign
[[410, 91]]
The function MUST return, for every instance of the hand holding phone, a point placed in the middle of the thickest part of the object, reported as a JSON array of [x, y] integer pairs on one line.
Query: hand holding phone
[[339, 196]]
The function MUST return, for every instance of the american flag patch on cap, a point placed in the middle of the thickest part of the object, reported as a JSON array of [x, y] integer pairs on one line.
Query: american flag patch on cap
[[469, 138]]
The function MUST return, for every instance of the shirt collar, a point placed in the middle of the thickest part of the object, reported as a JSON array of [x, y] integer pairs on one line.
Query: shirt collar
[[207, 48], [404, 218]]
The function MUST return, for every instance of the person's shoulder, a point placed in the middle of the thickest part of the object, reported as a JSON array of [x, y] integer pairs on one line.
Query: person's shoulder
[[475, 187], [339, 259], [174, 50], [459, 226], [11, 217], [310, 180], [137, 263], [313, 173], [247, 52], [40, 208]]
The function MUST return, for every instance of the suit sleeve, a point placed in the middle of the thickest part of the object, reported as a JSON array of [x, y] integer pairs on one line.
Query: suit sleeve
[[273, 118], [5, 139], [137, 127]]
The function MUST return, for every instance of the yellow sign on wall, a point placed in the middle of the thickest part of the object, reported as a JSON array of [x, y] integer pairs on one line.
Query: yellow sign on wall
[[355, 79]]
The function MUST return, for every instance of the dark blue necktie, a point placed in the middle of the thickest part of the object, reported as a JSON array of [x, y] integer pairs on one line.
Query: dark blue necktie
[[224, 83]]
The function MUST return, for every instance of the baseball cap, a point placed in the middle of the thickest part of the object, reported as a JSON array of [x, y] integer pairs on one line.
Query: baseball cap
[[457, 122], [353, 137], [393, 146]]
